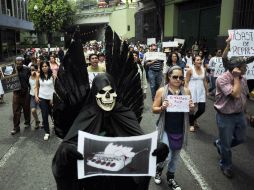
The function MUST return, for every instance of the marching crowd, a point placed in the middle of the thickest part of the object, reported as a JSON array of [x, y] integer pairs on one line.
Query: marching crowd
[[186, 73]]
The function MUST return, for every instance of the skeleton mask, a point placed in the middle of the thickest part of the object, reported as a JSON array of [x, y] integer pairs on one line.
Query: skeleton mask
[[106, 98]]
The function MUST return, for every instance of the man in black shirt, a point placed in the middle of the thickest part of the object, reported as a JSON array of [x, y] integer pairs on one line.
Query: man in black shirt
[[21, 98]]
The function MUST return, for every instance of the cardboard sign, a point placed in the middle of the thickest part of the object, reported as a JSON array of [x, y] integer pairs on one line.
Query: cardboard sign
[[151, 41], [9, 78], [180, 41], [116, 156], [170, 44], [178, 103], [250, 71], [155, 56], [242, 42]]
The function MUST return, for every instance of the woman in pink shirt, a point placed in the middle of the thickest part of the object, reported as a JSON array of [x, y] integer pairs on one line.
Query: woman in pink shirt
[[54, 66]]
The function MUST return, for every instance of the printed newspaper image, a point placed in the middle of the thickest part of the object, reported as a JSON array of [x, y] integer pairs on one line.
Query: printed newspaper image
[[116, 156]]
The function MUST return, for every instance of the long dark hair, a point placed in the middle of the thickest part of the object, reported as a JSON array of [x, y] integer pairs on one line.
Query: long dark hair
[[42, 76], [169, 62]]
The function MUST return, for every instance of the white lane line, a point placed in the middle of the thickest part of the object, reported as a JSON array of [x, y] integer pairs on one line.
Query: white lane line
[[11, 151], [193, 170]]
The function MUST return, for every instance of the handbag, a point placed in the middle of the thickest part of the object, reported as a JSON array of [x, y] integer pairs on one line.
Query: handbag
[[175, 141]]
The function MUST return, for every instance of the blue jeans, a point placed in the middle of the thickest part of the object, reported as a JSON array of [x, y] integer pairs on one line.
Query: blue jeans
[[173, 156], [155, 79], [232, 132], [45, 112]]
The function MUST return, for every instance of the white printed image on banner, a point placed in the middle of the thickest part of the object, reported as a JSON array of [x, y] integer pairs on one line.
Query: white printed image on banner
[[250, 71], [178, 103], [116, 156], [219, 69], [91, 76], [242, 42]]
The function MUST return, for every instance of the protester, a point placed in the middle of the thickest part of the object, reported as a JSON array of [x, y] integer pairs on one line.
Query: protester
[[44, 90], [141, 71], [196, 82], [154, 71], [33, 104], [21, 98], [60, 54], [216, 60], [171, 125], [230, 104], [101, 58], [54, 66], [94, 64]]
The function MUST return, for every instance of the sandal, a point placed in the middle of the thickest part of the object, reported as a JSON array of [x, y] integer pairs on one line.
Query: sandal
[[192, 129]]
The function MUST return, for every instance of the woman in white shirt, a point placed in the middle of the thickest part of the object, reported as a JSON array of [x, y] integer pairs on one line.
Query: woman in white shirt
[[44, 90], [33, 104]]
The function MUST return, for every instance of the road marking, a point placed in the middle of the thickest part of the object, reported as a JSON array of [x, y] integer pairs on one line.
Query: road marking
[[193, 170], [11, 151]]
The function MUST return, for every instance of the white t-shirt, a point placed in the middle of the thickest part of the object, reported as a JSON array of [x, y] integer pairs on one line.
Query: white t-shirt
[[46, 89]]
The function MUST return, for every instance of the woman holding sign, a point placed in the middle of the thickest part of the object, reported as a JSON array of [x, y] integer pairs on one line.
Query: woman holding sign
[[196, 81], [171, 124]]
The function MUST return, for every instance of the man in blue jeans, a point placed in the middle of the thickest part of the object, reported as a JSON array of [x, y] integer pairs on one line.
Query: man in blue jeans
[[230, 102], [154, 71]]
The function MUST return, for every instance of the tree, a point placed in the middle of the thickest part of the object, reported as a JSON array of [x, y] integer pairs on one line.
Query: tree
[[51, 16]]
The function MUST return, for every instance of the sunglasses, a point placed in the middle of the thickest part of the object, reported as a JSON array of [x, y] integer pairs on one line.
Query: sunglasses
[[178, 77]]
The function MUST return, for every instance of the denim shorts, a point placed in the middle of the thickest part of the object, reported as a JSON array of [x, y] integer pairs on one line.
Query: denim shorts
[[33, 103]]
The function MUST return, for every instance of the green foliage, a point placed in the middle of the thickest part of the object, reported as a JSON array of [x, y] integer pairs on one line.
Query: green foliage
[[51, 15]]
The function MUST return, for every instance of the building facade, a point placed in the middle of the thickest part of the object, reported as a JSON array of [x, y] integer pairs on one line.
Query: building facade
[[206, 21], [13, 20]]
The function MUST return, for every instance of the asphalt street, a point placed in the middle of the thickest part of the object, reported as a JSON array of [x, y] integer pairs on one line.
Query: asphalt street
[[25, 159]]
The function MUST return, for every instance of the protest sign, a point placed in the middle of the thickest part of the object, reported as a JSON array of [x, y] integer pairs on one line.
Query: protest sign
[[116, 156], [180, 41], [178, 103], [91, 76], [242, 42], [9, 78], [151, 41], [250, 71], [155, 56], [170, 44], [219, 69]]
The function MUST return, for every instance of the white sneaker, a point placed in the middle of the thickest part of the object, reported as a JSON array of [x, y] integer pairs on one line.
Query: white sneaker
[[46, 137]]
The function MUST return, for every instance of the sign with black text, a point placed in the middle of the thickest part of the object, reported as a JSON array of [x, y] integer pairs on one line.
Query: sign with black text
[[10, 79], [242, 42]]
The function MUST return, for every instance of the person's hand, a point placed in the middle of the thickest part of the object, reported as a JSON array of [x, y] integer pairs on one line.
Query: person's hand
[[236, 72], [37, 99], [228, 40], [191, 105], [164, 105], [64, 165], [161, 152], [65, 161]]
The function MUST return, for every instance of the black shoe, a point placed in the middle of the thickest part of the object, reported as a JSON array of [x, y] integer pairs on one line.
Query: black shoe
[[172, 184], [27, 124], [15, 131], [215, 143], [228, 173]]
